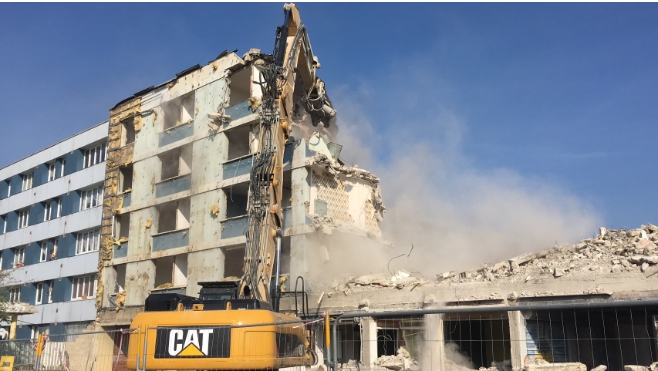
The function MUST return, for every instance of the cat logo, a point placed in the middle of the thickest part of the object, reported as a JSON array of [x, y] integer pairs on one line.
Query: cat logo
[[192, 342]]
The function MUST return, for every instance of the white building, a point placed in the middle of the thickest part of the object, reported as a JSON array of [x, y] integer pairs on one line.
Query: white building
[[50, 216]]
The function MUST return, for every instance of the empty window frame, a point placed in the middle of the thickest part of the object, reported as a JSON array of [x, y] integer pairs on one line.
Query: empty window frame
[[19, 256], [48, 292], [87, 241], [15, 294], [61, 173], [128, 131], [84, 287], [122, 226], [174, 215], [53, 250], [176, 162], [126, 178], [27, 180], [43, 251], [52, 173], [120, 274], [236, 200], [171, 270], [94, 156], [23, 218], [239, 140], [240, 86], [58, 212], [178, 111], [91, 198], [4, 223]]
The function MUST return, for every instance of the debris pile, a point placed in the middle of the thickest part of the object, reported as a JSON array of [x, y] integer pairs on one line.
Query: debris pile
[[399, 362], [612, 251]]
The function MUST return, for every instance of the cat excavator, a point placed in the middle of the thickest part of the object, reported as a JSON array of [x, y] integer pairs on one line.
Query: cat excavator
[[236, 325]]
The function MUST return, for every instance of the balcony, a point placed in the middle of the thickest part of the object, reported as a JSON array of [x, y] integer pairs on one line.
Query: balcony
[[239, 110], [171, 239], [175, 134], [235, 227], [237, 167], [173, 185]]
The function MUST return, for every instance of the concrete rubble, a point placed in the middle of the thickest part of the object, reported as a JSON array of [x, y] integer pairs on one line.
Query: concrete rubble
[[611, 252], [401, 361]]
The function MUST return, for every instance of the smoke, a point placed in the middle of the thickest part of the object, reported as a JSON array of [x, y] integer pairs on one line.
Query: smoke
[[455, 214]]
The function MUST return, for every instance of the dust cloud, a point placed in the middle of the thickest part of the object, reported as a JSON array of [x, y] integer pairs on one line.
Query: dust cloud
[[455, 214]]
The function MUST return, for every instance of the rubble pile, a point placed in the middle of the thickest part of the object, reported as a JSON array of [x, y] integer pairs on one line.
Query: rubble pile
[[612, 251], [399, 362]]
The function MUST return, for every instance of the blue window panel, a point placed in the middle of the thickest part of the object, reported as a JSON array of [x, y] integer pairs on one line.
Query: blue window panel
[[237, 167], [58, 329], [239, 110], [287, 218], [121, 251], [74, 162], [171, 240], [287, 156], [23, 333], [16, 184], [3, 220], [169, 187], [4, 189], [66, 247], [126, 199], [7, 258], [61, 290], [175, 134], [40, 175], [36, 213], [32, 252], [12, 221], [71, 203], [28, 293], [58, 168], [235, 227]]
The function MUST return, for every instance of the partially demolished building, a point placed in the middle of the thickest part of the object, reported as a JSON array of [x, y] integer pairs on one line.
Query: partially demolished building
[[176, 188]]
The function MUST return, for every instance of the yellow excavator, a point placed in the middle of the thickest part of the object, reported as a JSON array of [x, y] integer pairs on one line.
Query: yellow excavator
[[235, 325]]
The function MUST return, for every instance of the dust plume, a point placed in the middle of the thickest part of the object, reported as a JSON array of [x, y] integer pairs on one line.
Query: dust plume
[[455, 214]]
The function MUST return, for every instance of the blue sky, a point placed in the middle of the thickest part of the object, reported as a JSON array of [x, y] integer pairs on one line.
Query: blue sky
[[557, 95]]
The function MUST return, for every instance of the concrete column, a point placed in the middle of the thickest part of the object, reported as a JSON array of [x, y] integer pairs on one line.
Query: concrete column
[[368, 342], [298, 263], [517, 339], [433, 353], [12, 327]]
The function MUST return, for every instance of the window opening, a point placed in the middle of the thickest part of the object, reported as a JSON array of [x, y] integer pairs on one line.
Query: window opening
[[15, 294], [27, 180], [236, 200], [43, 253], [91, 198], [19, 256], [178, 111], [87, 242], [23, 218], [239, 140], [51, 172], [83, 287], [126, 178], [39, 296], [176, 162], [94, 156], [240, 86], [128, 132], [174, 215], [47, 215]]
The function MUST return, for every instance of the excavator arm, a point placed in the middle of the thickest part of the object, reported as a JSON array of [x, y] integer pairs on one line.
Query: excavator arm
[[293, 59]]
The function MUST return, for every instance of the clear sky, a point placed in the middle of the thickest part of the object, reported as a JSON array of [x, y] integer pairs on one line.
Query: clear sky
[[563, 95]]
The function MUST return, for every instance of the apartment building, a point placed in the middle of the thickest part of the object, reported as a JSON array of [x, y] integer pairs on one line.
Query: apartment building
[[50, 218], [176, 190]]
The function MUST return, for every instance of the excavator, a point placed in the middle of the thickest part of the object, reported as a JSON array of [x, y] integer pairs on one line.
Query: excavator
[[236, 325]]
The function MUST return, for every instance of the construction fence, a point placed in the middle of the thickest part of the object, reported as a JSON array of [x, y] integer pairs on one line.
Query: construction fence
[[617, 336]]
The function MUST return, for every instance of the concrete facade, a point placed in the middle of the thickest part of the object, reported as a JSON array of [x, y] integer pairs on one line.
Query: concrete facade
[[50, 218], [177, 180]]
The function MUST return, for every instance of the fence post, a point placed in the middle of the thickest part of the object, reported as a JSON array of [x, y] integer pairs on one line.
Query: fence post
[[517, 339]]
